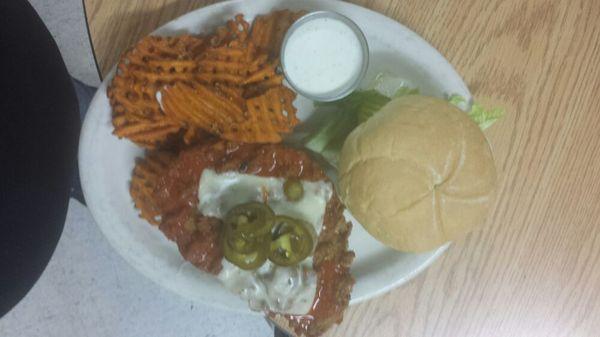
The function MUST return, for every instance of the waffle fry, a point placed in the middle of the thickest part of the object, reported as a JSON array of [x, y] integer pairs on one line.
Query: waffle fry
[[238, 62], [257, 89], [274, 108], [144, 180], [269, 30], [230, 64], [263, 119], [234, 30], [154, 62], [193, 135], [168, 48], [144, 131], [200, 107], [265, 73], [234, 94], [175, 90]]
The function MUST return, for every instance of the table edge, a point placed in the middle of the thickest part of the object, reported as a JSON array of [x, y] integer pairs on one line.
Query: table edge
[[87, 28]]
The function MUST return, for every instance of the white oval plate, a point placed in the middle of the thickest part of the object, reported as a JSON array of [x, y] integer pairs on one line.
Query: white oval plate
[[106, 162]]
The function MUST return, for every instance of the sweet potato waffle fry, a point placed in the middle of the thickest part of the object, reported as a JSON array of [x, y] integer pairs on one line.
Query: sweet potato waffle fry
[[273, 109], [154, 62], [263, 119], [175, 89], [236, 29], [230, 63], [269, 30], [146, 175], [200, 107]]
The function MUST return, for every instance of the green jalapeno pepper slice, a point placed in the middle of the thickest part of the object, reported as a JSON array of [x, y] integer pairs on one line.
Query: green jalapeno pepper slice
[[291, 241], [246, 230], [293, 189], [251, 260], [252, 217]]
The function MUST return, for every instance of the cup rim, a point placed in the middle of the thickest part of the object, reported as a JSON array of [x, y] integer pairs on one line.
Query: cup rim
[[349, 88]]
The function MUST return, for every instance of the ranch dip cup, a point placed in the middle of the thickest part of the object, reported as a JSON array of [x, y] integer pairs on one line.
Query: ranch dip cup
[[324, 56]]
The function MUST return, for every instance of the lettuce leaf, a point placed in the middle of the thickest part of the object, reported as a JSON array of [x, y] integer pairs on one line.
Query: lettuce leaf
[[338, 126], [405, 91], [365, 103], [480, 115]]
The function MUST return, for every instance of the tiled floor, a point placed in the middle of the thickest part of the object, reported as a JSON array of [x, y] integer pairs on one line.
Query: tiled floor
[[88, 289]]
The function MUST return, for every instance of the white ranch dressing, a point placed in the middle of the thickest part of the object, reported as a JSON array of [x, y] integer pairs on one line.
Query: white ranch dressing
[[279, 289], [323, 56]]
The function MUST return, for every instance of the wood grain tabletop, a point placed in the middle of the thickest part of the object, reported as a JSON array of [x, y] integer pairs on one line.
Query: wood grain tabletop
[[534, 268]]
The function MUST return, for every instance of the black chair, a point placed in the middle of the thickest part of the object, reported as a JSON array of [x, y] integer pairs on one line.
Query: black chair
[[39, 128]]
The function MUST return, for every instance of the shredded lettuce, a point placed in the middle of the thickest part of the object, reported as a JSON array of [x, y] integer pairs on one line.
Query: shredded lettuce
[[405, 91], [365, 103], [483, 117], [457, 100], [388, 84], [318, 140], [337, 127]]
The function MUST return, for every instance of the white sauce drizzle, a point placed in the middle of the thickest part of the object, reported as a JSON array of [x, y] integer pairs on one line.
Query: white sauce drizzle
[[280, 289]]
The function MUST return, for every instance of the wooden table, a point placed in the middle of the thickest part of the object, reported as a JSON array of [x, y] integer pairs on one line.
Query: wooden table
[[534, 268]]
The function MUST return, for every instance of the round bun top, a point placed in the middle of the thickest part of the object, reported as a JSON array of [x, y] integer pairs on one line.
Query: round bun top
[[417, 174]]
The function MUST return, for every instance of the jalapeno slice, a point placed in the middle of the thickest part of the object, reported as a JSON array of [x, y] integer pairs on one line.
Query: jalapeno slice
[[291, 241], [246, 235], [252, 233], [243, 243], [251, 260], [293, 190], [252, 217]]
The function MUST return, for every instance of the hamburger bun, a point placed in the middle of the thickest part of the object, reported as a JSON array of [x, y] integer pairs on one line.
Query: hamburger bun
[[418, 174]]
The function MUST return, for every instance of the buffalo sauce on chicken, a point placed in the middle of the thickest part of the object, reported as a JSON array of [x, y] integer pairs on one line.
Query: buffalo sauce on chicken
[[331, 262], [198, 236]]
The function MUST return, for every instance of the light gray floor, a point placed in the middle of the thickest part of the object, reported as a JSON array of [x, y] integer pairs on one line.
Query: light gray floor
[[66, 22], [88, 289]]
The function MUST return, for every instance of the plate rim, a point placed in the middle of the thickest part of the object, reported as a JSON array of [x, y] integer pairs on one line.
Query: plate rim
[[87, 125]]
